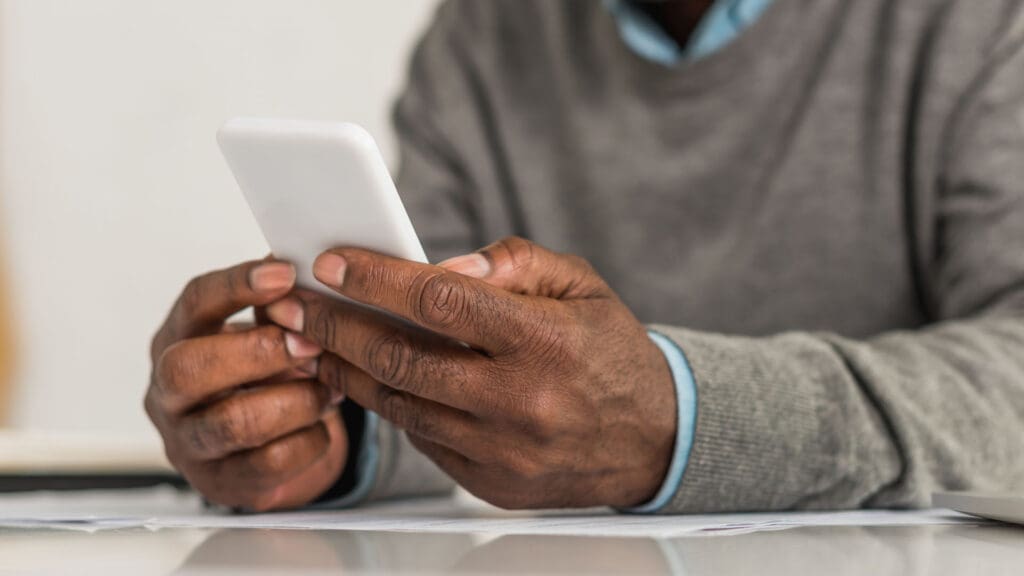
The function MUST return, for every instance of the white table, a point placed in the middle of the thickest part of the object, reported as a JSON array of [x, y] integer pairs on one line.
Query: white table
[[962, 549]]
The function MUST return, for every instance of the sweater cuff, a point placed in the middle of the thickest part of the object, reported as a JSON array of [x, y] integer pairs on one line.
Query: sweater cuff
[[686, 420], [782, 424]]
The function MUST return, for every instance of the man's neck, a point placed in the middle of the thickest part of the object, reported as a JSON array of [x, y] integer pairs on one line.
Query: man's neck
[[679, 18]]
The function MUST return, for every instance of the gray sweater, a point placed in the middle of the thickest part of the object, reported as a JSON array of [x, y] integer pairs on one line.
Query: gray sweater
[[827, 216]]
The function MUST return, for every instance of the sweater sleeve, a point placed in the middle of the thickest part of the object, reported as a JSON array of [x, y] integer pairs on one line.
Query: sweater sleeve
[[818, 421]]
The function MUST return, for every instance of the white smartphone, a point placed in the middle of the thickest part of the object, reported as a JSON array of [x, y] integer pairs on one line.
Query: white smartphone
[[313, 186]]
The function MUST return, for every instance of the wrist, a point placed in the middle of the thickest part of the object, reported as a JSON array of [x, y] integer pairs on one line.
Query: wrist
[[656, 415], [685, 394]]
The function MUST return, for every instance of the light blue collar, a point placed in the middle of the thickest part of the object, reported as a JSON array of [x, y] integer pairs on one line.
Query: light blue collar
[[726, 20]]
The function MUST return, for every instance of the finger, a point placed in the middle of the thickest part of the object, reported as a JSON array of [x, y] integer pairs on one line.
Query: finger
[[487, 482], [438, 423], [456, 465], [315, 480], [236, 327], [450, 304], [418, 363], [275, 463], [192, 371], [208, 300], [520, 266], [221, 481], [252, 418]]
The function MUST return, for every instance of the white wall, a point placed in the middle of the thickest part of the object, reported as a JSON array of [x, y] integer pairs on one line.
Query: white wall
[[112, 190]]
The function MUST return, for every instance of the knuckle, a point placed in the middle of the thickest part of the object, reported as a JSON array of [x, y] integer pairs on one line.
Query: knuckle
[[233, 280], [192, 296], [265, 344], [580, 263], [333, 373], [160, 341], [588, 282], [521, 252], [393, 407], [323, 325], [390, 359], [197, 442], [271, 461], [269, 464], [543, 414], [415, 421], [373, 279], [442, 300], [150, 406], [173, 370], [230, 426]]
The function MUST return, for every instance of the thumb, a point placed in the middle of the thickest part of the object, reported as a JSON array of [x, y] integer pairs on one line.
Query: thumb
[[520, 266]]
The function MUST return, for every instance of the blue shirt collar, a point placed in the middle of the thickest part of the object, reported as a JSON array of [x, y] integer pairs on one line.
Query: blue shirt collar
[[725, 20]]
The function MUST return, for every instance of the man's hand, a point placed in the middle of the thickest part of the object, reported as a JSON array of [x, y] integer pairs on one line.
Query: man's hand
[[556, 398], [240, 411]]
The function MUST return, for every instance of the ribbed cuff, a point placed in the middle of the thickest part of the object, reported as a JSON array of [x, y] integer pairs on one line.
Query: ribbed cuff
[[782, 424]]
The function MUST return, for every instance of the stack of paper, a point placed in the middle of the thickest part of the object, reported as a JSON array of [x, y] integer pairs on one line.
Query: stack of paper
[[166, 508]]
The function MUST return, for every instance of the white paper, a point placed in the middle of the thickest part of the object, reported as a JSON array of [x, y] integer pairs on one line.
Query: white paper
[[441, 517], [166, 508]]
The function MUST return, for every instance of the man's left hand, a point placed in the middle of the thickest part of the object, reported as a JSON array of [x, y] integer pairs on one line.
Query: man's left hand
[[535, 388]]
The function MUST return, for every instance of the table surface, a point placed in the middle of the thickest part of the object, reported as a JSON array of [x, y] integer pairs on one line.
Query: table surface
[[990, 550], [208, 545]]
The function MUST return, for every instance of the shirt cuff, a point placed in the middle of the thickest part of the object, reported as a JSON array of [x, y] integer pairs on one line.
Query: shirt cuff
[[686, 422], [367, 462]]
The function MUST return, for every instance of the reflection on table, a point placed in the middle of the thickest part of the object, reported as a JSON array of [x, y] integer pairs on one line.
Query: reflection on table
[[962, 550]]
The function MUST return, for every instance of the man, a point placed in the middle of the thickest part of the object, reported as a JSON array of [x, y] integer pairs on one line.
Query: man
[[815, 208]]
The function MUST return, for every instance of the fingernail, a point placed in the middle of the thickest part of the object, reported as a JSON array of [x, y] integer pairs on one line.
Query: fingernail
[[472, 265], [273, 277], [329, 268], [300, 347], [287, 314]]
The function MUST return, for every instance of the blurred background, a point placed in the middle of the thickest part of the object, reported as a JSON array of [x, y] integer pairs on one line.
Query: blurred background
[[112, 190]]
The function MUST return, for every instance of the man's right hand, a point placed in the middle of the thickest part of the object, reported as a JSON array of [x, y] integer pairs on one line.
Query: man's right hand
[[239, 408]]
